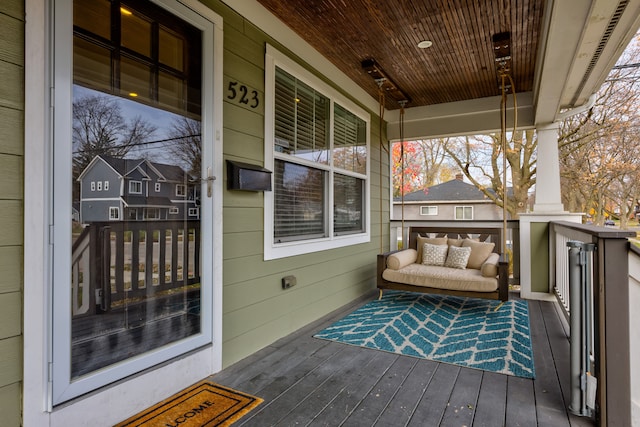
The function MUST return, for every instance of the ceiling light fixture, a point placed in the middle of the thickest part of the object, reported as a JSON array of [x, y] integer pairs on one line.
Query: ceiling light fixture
[[425, 44], [384, 82], [502, 52]]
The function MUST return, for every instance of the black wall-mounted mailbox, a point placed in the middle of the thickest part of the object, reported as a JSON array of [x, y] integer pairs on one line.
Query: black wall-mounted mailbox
[[244, 176]]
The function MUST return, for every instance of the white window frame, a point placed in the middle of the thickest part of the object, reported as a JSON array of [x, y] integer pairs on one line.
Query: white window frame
[[428, 209], [194, 211], [106, 186], [273, 250], [151, 213], [133, 184], [93, 186], [174, 210], [158, 187], [188, 367], [114, 210], [181, 190], [463, 207], [99, 186]]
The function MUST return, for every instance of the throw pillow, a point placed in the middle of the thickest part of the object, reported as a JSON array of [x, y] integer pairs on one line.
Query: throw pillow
[[480, 251], [401, 259], [455, 242], [490, 266], [432, 240], [434, 254], [457, 257]]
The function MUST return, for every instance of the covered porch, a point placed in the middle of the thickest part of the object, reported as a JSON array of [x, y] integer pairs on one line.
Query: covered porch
[[561, 52]]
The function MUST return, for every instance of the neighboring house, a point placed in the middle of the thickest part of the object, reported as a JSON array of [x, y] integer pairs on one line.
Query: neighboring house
[[114, 189], [451, 200]]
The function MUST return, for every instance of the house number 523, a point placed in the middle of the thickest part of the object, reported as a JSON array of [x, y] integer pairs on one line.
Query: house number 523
[[243, 95]]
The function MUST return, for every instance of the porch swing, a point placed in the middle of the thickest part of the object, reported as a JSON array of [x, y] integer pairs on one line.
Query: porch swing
[[441, 260]]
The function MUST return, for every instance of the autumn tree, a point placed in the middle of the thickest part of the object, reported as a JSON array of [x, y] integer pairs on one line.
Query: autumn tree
[[598, 149], [99, 128], [425, 164]]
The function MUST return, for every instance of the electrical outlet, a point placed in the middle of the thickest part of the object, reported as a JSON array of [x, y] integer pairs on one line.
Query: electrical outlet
[[288, 281]]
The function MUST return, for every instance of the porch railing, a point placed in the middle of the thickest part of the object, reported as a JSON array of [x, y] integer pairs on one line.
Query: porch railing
[[115, 261], [604, 290]]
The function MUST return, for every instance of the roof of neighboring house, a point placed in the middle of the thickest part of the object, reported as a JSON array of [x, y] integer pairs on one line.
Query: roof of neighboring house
[[146, 202], [454, 190], [125, 166]]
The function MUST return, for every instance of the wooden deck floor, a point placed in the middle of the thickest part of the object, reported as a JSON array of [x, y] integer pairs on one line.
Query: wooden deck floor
[[310, 382]]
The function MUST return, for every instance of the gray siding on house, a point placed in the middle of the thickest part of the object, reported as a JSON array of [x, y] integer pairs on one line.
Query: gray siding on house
[[98, 210], [11, 208], [105, 184], [257, 311], [446, 197], [100, 173], [93, 187], [446, 211]]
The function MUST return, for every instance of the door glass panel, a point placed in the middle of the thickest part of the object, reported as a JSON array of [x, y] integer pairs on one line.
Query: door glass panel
[[136, 279], [135, 79], [93, 16], [170, 92], [136, 31], [91, 65], [171, 49]]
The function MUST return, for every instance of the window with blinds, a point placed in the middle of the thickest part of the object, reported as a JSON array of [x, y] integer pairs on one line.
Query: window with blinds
[[348, 202], [349, 141], [299, 202], [320, 165], [302, 119]]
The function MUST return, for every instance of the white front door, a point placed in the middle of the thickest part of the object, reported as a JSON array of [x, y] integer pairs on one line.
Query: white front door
[[134, 158]]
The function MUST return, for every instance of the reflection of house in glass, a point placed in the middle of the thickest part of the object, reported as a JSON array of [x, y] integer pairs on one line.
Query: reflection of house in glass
[[114, 189]]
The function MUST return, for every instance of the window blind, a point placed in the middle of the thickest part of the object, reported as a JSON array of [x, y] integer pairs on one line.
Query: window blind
[[349, 141], [299, 202], [348, 201], [301, 119]]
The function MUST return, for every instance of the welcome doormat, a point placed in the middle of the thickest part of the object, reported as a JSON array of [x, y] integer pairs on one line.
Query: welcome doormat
[[463, 331], [203, 404]]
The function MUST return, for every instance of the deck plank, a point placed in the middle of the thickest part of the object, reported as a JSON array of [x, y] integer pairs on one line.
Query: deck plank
[[404, 403], [345, 402], [546, 386], [560, 347], [324, 394], [435, 399], [308, 381], [369, 410], [492, 401], [463, 400], [281, 403], [521, 403]]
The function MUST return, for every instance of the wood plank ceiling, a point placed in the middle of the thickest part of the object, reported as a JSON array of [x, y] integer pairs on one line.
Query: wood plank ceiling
[[459, 66]]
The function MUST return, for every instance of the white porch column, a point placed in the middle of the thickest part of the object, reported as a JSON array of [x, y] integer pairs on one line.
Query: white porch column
[[548, 198], [537, 259]]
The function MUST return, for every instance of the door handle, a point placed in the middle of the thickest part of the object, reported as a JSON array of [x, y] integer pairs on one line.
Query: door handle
[[209, 180]]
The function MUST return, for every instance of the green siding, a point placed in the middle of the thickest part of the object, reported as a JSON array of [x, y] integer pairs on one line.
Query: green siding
[[257, 311], [540, 258], [10, 404], [11, 207]]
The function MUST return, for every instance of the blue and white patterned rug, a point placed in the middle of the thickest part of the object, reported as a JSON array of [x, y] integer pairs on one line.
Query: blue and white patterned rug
[[461, 331]]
